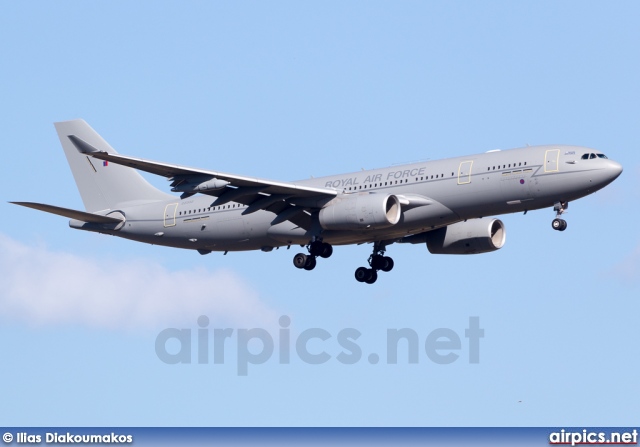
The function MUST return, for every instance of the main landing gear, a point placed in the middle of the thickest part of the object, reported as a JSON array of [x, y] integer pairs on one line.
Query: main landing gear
[[557, 223], [316, 248], [377, 261]]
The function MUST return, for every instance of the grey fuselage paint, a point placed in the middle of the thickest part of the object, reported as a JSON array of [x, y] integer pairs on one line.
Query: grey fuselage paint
[[460, 188]]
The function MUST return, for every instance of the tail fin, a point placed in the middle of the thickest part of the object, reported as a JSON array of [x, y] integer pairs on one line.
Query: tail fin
[[102, 185]]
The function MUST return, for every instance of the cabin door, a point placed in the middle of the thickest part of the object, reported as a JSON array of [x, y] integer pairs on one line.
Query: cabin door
[[170, 215], [551, 160], [464, 172]]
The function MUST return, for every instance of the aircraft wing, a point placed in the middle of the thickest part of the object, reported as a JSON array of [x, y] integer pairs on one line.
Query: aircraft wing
[[183, 173], [289, 201]]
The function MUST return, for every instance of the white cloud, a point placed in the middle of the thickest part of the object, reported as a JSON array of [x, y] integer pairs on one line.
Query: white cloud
[[42, 287]]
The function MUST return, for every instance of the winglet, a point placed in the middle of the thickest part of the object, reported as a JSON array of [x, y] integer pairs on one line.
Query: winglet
[[83, 147]]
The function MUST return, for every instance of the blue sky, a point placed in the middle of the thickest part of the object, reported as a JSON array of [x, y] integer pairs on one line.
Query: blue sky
[[288, 90]]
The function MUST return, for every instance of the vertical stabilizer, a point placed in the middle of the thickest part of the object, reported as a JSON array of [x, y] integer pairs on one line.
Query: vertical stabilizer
[[103, 185]]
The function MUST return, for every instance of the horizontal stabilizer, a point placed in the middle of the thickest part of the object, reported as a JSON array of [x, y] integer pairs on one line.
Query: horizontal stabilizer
[[71, 214]]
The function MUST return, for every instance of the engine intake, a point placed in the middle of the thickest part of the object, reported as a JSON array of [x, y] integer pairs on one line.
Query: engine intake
[[467, 238], [361, 211]]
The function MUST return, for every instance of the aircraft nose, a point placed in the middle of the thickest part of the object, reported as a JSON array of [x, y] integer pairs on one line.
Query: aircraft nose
[[614, 168]]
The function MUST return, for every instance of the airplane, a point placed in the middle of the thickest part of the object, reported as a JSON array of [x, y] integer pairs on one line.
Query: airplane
[[446, 204]]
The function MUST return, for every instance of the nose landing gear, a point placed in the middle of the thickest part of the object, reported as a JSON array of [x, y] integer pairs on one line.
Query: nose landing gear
[[557, 223]]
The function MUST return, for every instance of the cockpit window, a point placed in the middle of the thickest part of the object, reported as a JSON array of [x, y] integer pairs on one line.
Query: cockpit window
[[592, 156]]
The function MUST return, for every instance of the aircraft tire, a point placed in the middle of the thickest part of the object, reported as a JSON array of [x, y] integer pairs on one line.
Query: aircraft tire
[[311, 263], [316, 248], [556, 224], [327, 250], [388, 264], [300, 260], [362, 273], [377, 262], [373, 277], [564, 225]]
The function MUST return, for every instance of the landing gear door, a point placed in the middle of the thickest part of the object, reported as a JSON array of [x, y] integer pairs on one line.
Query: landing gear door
[[464, 172], [551, 160], [170, 215]]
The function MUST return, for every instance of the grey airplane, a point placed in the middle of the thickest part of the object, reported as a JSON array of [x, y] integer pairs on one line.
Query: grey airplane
[[445, 204]]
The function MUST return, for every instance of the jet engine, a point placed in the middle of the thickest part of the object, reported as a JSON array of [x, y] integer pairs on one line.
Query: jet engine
[[467, 238], [361, 211]]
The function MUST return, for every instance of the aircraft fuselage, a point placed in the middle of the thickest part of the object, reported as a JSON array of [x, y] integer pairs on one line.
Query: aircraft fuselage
[[460, 188]]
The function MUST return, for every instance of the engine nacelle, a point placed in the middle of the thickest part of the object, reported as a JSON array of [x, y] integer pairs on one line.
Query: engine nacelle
[[467, 238], [361, 211]]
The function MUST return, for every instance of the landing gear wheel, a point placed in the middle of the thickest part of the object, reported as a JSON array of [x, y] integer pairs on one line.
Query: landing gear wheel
[[315, 248], [388, 264], [559, 224], [560, 208], [327, 250], [378, 262], [362, 273], [311, 263], [300, 260], [373, 276]]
